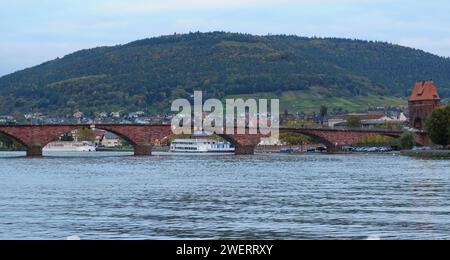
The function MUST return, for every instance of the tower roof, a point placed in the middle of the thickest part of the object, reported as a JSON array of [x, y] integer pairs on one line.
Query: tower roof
[[424, 90]]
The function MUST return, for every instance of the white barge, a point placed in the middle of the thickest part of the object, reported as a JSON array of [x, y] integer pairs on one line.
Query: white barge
[[70, 147], [200, 146]]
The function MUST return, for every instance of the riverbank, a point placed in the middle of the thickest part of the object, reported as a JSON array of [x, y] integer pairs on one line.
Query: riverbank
[[432, 154]]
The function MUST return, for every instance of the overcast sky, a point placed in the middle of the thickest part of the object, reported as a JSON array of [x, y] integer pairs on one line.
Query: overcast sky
[[34, 31]]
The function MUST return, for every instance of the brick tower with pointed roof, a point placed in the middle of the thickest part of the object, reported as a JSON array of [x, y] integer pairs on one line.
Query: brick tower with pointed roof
[[423, 100]]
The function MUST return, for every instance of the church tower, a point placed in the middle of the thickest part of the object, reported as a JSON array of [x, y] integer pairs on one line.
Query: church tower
[[422, 102]]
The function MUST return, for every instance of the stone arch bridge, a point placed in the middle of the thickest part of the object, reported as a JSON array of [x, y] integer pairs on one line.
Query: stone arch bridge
[[142, 137]]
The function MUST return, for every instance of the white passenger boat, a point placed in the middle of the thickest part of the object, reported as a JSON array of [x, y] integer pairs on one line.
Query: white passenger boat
[[200, 146], [70, 147]]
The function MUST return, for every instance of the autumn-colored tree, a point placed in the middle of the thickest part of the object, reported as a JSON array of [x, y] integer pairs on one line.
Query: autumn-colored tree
[[295, 139], [378, 141]]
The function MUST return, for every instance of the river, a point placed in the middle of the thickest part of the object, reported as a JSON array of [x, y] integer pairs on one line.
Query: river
[[118, 196]]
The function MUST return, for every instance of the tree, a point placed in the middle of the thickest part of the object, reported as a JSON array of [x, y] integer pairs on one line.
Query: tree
[[438, 126], [5, 141], [323, 113], [407, 141], [86, 134], [354, 122], [124, 143], [295, 139], [378, 141]]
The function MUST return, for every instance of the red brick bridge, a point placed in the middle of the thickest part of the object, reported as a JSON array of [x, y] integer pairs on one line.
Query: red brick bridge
[[142, 137]]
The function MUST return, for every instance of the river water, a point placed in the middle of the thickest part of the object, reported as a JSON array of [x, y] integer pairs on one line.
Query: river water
[[117, 196]]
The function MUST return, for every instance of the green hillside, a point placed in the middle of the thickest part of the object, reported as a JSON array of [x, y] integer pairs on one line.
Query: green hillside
[[310, 101], [149, 74]]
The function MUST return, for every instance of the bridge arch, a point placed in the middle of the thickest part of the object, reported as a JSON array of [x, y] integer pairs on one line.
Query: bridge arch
[[137, 136], [244, 144], [35, 137], [333, 139], [119, 134], [104, 128], [317, 138], [13, 137]]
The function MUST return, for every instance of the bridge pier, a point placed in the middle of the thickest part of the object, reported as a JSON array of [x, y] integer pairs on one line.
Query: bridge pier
[[333, 149], [143, 150], [245, 150], [34, 151]]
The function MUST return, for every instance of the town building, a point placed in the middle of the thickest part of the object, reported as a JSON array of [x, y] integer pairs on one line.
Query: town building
[[106, 139], [370, 121], [341, 120], [423, 100], [5, 120], [111, 140]]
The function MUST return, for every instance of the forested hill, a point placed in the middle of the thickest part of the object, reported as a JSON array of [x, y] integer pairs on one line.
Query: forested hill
[[149, 74]]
